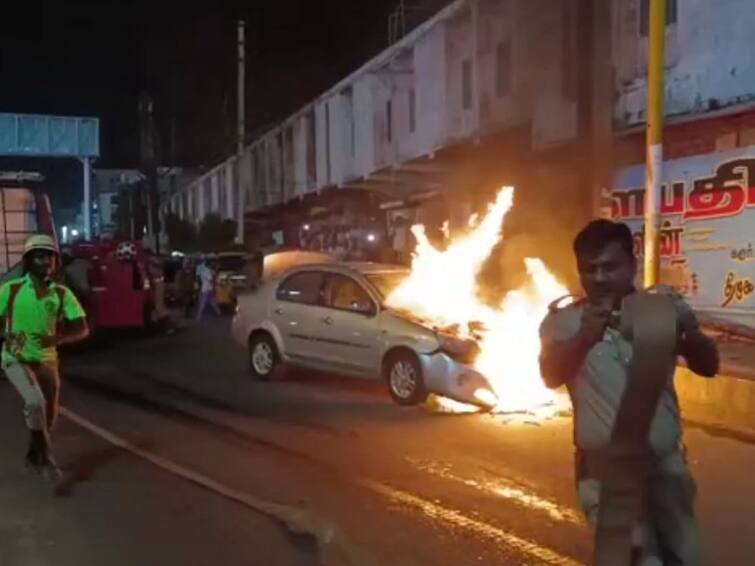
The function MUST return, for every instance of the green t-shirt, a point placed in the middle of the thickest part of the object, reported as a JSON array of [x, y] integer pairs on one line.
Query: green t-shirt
[[32, 316]]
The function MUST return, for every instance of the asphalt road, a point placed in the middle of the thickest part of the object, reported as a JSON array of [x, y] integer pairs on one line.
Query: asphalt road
[[395, 485]]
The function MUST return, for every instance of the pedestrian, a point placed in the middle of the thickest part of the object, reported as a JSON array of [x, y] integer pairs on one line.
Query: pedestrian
[[615, 350], [38, 315], [185, 282], [206, 277]]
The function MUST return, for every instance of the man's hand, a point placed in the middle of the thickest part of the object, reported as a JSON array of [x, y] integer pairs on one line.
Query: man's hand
[[701, 353], [44, 340], [595, 318], [560, 360]]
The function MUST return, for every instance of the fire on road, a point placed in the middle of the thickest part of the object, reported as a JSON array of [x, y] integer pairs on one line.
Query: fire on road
[[443, 288]]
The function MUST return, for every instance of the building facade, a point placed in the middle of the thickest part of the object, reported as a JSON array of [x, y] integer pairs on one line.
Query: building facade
[[462, 76], [708, 191], [539, 94]]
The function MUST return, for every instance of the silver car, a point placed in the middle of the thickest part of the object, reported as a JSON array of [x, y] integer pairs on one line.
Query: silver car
[[332, 317]]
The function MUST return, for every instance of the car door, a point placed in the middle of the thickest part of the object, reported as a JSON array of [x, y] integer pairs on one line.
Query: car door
[[347, 330], [296, 297]]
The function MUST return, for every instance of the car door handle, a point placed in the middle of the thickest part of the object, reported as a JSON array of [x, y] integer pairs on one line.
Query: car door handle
[[327, 320]]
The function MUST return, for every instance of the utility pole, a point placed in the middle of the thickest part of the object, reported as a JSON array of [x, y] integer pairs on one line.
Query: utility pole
[[241, 133], [86, 163], [593, 90], [149, 167], [654, 150]]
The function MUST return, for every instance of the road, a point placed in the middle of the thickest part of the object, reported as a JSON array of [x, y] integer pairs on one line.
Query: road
[[399, 486]]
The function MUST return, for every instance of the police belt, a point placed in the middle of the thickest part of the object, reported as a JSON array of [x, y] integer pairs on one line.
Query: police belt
[[624, 467]]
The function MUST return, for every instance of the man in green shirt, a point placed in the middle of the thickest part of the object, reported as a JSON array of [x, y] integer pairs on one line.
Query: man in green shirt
[[37, 315]]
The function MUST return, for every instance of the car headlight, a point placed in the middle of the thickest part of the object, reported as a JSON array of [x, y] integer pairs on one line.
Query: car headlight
[[463, 350], [486, 397]]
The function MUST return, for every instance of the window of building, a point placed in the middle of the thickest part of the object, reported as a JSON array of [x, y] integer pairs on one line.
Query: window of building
[[327, 140], [503, 68], [412, 110], [389, 120], [348, 111], [672, 15], [303, 288], [223, 194], [466, 84], [569, 51], [207, 196], [311, 153]]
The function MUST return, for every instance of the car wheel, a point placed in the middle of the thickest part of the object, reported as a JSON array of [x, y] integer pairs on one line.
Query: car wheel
[[403, 376], [263, 356]]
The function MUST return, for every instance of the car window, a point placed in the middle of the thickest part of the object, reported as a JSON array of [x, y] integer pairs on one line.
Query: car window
[[304, 287], [344, 293]]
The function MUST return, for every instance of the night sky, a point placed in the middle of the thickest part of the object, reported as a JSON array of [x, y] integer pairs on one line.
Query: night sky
[[81, 57]]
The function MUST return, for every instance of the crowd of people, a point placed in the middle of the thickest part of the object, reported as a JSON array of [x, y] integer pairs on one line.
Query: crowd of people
[[345, 244]]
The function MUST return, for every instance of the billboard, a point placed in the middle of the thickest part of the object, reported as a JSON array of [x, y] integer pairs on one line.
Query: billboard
[[708, 228], [32, 135]]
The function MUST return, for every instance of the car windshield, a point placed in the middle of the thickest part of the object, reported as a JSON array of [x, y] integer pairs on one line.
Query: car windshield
[[386, 281]]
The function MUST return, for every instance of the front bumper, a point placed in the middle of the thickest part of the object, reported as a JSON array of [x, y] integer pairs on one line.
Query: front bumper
[[239, 332], [461, 382]]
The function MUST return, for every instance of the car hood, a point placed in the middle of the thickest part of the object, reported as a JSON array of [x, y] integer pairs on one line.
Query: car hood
[[429, 325]]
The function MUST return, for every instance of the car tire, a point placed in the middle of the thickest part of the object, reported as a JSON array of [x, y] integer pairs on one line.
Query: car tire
[[403, 376], [263, 356]]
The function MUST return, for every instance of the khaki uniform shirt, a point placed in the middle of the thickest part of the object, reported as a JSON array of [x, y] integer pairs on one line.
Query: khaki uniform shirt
[[597, 389]]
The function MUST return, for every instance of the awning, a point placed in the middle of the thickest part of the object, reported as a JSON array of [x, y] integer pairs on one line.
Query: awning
[[411, 201]]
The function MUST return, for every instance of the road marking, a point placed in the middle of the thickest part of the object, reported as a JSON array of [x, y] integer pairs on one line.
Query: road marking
[[509, 490], [330, 540], [334, 548], [458, 519]]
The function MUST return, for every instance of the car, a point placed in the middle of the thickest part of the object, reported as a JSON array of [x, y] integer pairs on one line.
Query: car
[[332, 317]]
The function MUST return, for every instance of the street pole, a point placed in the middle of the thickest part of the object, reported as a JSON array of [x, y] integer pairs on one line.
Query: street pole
[[241, 100], [654, 151], [87, 168], [149, 167]]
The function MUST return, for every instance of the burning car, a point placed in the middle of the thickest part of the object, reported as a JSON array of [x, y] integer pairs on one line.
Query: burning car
[[333, 316]]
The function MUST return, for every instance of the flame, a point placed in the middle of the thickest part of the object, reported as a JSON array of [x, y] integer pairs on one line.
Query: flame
[[442, 288]]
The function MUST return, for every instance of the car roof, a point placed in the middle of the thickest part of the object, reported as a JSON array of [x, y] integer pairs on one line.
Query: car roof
[[366, 267], [361, 268]]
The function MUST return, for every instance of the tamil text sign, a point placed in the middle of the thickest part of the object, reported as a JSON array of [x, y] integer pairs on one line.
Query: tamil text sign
[[708, 227]]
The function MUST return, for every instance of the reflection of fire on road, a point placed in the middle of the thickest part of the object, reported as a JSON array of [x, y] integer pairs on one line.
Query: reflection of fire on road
[[443, 289]]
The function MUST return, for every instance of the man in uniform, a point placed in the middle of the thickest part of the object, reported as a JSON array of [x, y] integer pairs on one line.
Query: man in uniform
[[38, 315], [587, 347]]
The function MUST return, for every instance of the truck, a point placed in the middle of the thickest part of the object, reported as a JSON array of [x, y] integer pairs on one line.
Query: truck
[[23, 212], [120, 292]]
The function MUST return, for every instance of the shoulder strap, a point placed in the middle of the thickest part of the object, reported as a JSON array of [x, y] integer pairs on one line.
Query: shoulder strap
[[14, 289], [653, 321], [61, 292], [628, 460]]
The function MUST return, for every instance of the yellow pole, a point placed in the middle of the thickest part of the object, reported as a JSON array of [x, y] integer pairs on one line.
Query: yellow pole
[[654, 154]]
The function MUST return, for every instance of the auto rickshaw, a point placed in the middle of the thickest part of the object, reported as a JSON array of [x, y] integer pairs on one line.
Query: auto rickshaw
[[231, 278]]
